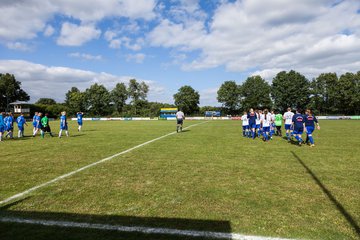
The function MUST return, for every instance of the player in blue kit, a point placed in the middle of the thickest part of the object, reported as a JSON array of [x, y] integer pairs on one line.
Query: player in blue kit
[[298, 121], [310, 121], [63, 124], [252, 122], [9, 125], [37, 123], [2, 125], [34, 121], [245, 125], [79, 116], [288, 123], [20, 122]]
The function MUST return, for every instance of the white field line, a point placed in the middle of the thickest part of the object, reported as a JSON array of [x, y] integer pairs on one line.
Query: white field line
[[26, 192], [139, 229]]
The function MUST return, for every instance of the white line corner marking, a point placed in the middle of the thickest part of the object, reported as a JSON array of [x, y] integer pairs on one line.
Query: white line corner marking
[[140, 229], [19, 195]]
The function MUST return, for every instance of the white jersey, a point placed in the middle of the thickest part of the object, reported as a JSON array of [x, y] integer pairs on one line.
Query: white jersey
[[266, 121], [288, 117], [180, 115], [245, 120], [257, 120]]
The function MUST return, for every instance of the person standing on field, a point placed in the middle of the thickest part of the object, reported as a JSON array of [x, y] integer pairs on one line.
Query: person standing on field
[[288, 123], [278, 123], [45, 126], [180, 117], [2, 125], [63, 124], [20, 122], [79, 117]]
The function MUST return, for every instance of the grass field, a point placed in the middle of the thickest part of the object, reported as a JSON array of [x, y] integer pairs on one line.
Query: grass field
[[206, 178]]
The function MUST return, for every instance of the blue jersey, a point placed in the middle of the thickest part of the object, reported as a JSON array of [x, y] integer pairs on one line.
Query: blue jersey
[[310, 121], [2, 121], [252, 118], [9, 122], [37, 121], [63, 122], [298, 120], [20, 121], [79, 117]]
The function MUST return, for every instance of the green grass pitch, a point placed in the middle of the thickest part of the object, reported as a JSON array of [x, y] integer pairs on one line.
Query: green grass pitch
[[206, 178]]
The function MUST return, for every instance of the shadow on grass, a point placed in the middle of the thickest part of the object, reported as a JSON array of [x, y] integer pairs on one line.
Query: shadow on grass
[[60, 225], [337, 204]]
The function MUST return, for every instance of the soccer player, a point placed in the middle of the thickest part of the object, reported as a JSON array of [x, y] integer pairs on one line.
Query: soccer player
[[245, 124], [20, 120], [310, 119], [9, 125], [252, 122], [37, 124], [288, 123], [257, 122], [2, 125], [45, 126], [180, 117], [272, 125], [34, 121], [63, 124], [278, 123], [79, 116], [298, 121], [266, 121]]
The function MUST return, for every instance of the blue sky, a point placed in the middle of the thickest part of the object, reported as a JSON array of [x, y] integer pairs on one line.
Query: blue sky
[[51, 46]]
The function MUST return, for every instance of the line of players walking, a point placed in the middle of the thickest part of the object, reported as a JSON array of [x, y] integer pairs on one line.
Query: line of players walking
[[40, 124], [265, 124]]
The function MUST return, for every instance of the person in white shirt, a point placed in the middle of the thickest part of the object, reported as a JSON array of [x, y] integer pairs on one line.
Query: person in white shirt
[[180, 116], [288, 121], [245, 125], [266, 121]]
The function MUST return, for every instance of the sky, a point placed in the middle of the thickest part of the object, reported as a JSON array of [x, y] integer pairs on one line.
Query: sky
[[53, 45]]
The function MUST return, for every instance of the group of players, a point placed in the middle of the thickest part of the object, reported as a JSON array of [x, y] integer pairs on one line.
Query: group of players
[[265, 124], [40, 124]]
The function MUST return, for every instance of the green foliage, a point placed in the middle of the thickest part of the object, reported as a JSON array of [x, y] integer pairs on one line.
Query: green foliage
[[229, 95], [75, 100], [187, 99], [255, 93], [290, 89], [98, 100], [46, 101], [119, 95], [53, 110], [10, 91], [348, 93], [138, 93]]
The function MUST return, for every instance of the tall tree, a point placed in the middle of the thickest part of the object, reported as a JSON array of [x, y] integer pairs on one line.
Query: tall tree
[[229, 95], [119, 95], [290, 89], [255, 93], [46, 101], [137, 92], [187, 99], [75, 100], [349, 93], [98, 100], [10, 91], [324, 93]]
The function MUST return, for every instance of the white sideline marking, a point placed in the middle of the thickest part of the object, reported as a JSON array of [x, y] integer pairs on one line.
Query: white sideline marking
[[146, 230], [19, 195]]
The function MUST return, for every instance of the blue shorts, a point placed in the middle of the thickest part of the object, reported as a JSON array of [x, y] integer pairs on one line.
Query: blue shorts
[[298, 131], [287, 126], [245, 127], [253, 125], [2, 128], [21, 127], [257, 126], [34, 124], [64, 127], [80, 123], [266, 129], [309, 129]]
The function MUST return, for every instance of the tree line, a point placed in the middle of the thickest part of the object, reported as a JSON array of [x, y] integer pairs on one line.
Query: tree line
[[325, 94]]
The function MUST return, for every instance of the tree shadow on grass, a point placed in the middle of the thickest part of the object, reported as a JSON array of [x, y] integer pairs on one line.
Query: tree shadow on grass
[[63, 225], [352, 222]]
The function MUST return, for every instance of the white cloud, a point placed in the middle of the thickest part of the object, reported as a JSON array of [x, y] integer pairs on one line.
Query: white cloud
[[208, 97], [18, 46], [75, 35], [85, 56], [138, 58], [49, 31], [54, 81]]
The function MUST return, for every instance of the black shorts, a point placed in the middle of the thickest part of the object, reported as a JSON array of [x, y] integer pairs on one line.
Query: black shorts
[[180, 121], [46, 129]]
